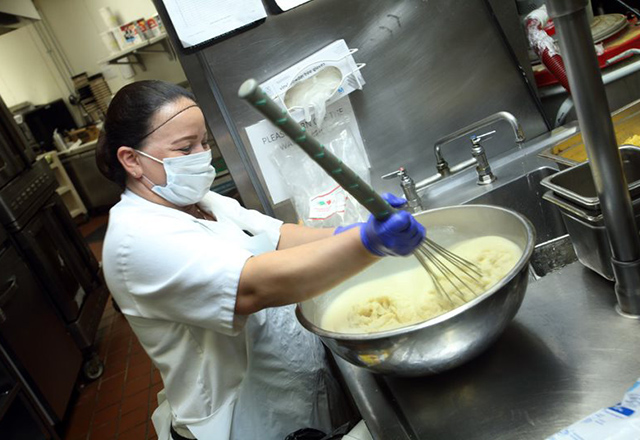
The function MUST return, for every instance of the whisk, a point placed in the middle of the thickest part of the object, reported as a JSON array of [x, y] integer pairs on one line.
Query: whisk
[[440, 263]]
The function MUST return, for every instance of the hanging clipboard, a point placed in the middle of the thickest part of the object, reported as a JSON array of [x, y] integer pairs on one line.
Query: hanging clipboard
[[278, 6], [199, 23]]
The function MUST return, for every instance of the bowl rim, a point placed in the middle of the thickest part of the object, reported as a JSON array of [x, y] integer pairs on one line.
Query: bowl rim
[[385, 334]]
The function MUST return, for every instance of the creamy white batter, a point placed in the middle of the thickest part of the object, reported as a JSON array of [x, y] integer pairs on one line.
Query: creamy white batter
[[411, 296]]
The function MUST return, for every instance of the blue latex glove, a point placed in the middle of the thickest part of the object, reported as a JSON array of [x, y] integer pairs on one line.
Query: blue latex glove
[[394, 201], [398, 235]]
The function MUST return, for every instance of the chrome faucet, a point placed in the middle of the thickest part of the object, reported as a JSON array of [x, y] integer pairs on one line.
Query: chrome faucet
[[408, 188], [485, 175], [441, 164]]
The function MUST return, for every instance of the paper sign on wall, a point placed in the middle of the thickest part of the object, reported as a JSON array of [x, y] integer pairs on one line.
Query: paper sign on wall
[[265, 137], [285, 5], [198, 21]]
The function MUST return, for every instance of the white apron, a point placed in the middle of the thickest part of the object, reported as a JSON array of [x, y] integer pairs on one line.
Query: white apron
[[287, 377]]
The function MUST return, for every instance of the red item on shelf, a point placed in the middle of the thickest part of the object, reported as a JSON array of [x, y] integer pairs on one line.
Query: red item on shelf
[[628, 38], [546, 49]]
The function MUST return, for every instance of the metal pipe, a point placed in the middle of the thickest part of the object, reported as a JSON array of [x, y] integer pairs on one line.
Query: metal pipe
[[437, 177], [504, 116], [587, 89]]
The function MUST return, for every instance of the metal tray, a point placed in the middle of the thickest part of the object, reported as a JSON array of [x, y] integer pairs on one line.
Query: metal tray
[[588, 234], [572, 152], [576, 183]]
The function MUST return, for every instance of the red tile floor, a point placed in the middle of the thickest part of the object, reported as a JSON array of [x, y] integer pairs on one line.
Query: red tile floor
[[117, 406]]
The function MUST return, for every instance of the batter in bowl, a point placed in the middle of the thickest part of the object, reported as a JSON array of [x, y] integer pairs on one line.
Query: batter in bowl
[[409, 297]]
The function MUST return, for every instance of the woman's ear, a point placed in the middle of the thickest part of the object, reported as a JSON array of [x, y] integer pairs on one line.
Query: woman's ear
[[130, 161]]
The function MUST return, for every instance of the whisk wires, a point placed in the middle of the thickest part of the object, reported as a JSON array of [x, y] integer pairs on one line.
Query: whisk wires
[[442, 264]]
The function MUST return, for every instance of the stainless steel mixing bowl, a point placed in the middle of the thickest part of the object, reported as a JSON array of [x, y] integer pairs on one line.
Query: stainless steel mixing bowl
[[450, 339]]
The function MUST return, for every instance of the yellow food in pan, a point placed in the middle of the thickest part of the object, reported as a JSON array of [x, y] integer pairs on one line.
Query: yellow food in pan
[[578, 152], [626, 124], [633, 140]]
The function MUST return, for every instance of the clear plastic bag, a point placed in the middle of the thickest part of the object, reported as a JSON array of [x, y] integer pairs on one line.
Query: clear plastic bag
[[318, 199], [313, 93]]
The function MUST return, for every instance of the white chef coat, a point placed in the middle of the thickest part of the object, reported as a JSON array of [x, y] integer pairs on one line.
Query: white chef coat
[[226, 376]]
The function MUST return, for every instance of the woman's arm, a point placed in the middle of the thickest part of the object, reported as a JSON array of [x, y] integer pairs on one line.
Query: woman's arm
[[294, 235], [294, 274], [301, 272]]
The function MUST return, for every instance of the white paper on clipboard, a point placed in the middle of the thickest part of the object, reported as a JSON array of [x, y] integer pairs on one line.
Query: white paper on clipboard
[[285, 5], [198, 21]]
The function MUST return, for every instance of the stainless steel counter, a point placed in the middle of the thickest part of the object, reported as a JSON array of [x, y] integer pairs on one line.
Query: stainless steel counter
[[566, 354]]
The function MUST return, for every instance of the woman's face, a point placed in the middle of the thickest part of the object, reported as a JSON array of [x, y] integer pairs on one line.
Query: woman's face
[[184, 132]]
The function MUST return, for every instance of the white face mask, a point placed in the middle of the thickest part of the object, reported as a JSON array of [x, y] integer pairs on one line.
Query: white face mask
[[189, 178]]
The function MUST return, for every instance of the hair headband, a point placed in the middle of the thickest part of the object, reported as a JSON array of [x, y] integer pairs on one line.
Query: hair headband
[[165, 122]]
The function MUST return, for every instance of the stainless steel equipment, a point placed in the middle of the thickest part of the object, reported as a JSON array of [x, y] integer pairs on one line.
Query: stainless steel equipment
[[479, 158], [444, 267], [485, 175], [587, 89], [96, 191], [588, 234], [455, 69], [408, 189], [544, 373], [448, 340], [573, 192], [523, 195], [576, 183]]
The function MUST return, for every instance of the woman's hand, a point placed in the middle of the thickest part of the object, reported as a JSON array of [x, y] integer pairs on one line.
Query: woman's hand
[[398, 235]]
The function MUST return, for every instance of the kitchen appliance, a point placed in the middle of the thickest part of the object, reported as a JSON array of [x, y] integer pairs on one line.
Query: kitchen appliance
[[26, 132], [32, 335], [48, 239], [49, 278], [13, 158], [448, 340], [20, 416], [18, 142], [11, 163], [45, 119], [96, 191]]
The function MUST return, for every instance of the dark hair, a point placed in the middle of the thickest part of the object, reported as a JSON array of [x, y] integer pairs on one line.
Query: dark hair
[[128, 121]]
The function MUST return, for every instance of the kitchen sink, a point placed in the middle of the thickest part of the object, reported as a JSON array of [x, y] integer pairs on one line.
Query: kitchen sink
[[524, 195], [553, 248]]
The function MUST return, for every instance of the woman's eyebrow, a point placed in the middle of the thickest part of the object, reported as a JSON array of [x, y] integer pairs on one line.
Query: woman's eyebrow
[[184, 138]]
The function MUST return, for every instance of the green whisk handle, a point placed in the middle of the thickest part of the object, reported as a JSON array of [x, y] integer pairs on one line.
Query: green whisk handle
[[341, 173]]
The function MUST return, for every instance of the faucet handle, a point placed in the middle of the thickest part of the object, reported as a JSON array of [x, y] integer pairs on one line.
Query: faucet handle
[[400, 172], [475, 140], [408, 188]]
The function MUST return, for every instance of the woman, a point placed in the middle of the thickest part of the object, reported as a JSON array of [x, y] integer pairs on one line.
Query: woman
[[208, 286]]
